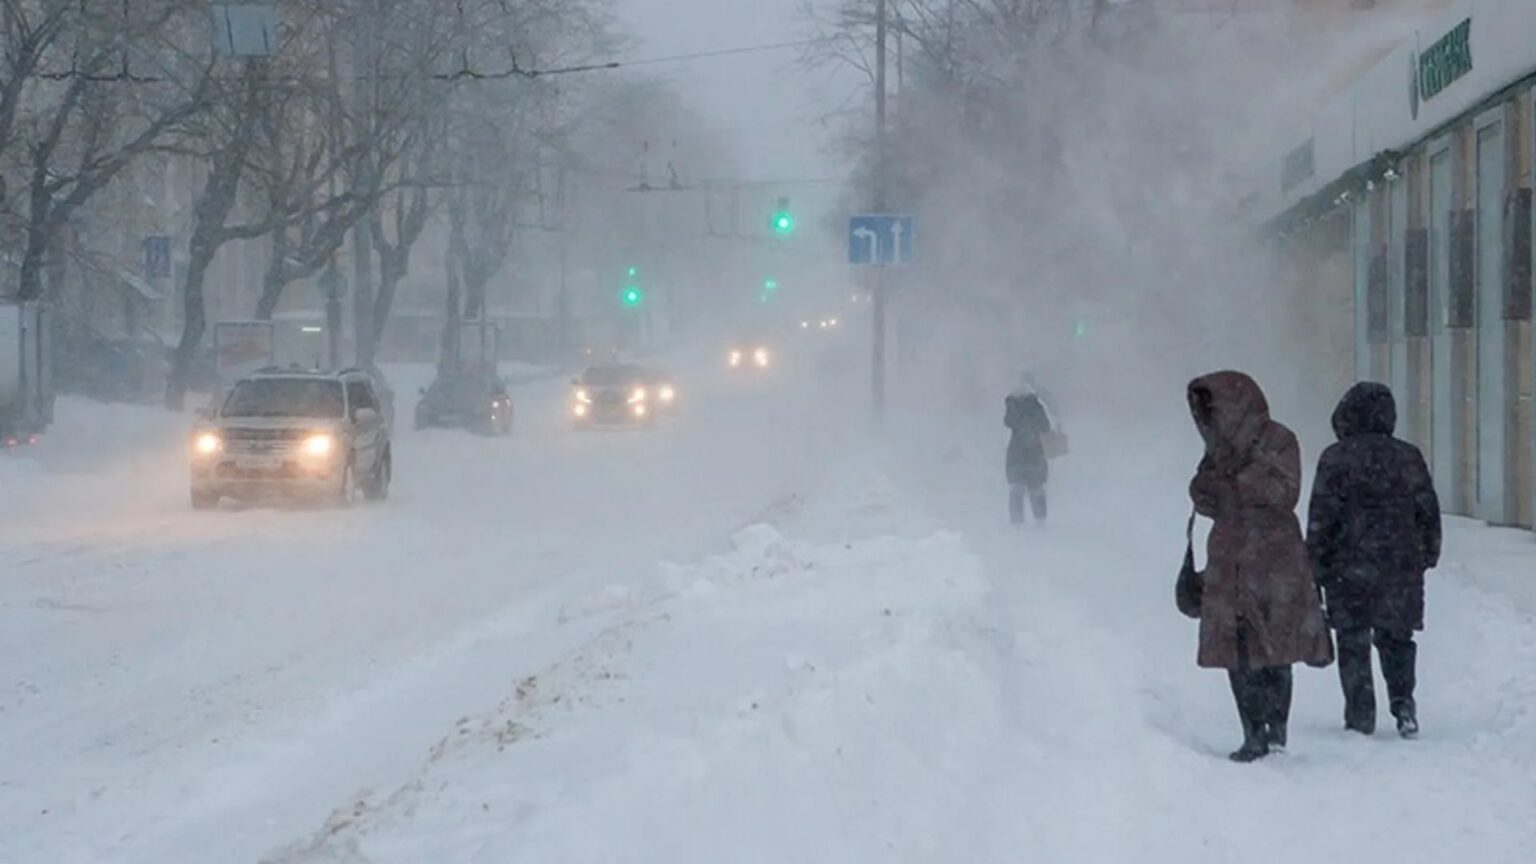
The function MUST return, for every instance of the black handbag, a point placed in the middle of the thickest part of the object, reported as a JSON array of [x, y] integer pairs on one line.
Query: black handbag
[[1191, 584]]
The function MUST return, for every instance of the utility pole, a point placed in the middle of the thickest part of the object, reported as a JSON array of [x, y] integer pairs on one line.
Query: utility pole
[[564, 302], [877, 374]]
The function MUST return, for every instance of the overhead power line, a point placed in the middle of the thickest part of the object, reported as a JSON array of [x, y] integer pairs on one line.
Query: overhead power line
[[517, 71]]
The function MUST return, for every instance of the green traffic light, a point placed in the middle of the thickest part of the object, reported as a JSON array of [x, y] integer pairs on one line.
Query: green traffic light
[[783, 222], [770, 284], [633, 272], [631, 296]]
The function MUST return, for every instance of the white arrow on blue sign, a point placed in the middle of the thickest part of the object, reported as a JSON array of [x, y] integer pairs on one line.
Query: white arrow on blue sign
[[875, 238]]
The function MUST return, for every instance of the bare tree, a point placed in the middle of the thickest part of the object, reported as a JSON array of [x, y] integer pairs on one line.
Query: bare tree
[[88, 91]]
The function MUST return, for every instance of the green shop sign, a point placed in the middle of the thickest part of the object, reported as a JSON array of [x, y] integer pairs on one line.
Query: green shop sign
[[1445, 61]]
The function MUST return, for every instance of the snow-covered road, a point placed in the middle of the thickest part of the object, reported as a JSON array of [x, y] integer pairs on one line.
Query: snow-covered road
[[757, 634], [198, 687]]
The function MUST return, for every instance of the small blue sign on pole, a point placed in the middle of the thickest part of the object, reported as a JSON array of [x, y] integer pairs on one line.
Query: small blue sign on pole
[[157, 257], [880, 239]]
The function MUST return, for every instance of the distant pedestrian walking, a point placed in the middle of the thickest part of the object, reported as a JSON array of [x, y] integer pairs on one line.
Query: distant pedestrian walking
[[1373, 529], [1258, 606], [1027, 467]]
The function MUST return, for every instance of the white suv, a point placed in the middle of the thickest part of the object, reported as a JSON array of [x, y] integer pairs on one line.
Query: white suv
[[294, 434]]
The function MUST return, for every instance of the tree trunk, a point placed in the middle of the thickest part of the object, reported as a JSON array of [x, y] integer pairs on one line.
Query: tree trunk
[[208, 234], [194, 325], [457, 260], [362, 296], [275, 279], [30, 285], [449, 358], [389, 280]]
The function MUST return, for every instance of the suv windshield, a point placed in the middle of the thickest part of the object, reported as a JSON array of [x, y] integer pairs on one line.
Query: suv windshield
[[613, 376], [285, 397]]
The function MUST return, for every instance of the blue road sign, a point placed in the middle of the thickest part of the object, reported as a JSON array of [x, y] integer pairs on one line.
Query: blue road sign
[[880, 239], [157, 257]]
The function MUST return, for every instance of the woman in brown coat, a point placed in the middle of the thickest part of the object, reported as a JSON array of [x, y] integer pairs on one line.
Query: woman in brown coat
[[1260, 611]]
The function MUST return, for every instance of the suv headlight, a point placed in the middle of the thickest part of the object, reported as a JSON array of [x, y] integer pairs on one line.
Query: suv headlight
[[583, 396], [760, 357], [637, 396], [320, 445], [207, 443]]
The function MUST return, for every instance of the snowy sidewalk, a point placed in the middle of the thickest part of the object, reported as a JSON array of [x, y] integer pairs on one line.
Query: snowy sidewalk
[[788, 700], [861, 684]]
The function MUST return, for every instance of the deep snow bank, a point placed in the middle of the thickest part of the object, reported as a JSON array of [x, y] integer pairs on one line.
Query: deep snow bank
[[785, 701]]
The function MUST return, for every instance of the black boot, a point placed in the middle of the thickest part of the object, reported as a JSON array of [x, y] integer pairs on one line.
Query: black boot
[[1247, 694], [1255, 744], [1278, 691], [1407, 722]]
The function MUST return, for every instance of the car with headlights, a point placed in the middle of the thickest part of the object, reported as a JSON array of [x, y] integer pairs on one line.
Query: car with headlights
[[822, 324], [662, 388], [748, 357], [294, 435], [616, 394], [473, 400]]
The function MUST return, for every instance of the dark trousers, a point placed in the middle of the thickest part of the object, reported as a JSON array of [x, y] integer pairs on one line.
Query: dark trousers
[[1398, 654], [1263, 696], [1016, 495]]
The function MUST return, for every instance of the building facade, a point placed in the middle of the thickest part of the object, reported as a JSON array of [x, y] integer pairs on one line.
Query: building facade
[[1408, 203]]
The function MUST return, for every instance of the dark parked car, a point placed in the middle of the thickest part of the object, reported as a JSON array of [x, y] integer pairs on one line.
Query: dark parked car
[[477, 401]]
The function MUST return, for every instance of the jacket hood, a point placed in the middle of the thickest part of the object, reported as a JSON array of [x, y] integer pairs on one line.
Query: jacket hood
[[1367, 409], [1230, 411]]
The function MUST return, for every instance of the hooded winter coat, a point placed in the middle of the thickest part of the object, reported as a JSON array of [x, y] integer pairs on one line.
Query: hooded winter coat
[[1259, 587], [1026, 417], [1373, 526]]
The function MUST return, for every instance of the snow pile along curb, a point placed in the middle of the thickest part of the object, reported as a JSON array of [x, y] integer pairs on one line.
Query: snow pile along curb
[[693, 731]]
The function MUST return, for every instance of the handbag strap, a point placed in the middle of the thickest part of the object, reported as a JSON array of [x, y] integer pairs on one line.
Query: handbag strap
[[1189, 533]]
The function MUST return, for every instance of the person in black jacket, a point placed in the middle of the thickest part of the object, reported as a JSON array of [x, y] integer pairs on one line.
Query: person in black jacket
[[1373, 529], [1027, 468]]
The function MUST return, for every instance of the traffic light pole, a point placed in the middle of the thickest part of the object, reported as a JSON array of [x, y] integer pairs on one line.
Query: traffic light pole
[[877, 343]]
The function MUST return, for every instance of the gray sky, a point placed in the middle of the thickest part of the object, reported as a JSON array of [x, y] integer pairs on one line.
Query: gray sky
[[763, 102]]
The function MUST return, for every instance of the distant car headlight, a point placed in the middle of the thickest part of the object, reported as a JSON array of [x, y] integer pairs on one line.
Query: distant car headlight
[[640, 409], [735, 358], [583, 397], [320, 446], [207, 444], [760, 357], [666, 394], [638, 396], [580, 409]]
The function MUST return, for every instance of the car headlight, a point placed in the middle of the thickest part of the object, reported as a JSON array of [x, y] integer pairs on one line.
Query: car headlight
[[580, 409], [319, 446], [640, 409], [207, 444], [637, 396], [583, 397], [735, 358], [760, 357], [666, 394]]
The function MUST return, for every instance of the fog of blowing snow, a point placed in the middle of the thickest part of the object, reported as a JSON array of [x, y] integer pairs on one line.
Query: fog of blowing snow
[[701, 431]]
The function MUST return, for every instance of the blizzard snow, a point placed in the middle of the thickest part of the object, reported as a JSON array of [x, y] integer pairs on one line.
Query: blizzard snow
[[763, 633]]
